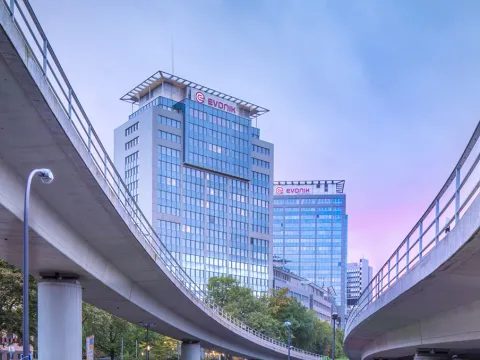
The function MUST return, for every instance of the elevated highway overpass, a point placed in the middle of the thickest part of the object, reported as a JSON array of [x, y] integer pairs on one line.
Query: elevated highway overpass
[[89, 240], [425, 301]]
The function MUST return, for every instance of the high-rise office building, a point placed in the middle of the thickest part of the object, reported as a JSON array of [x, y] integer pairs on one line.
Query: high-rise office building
[[195, 164], [310, 233], [359, 275]]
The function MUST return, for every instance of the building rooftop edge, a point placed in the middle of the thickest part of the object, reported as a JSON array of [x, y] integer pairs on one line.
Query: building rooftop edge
[[134, 95]]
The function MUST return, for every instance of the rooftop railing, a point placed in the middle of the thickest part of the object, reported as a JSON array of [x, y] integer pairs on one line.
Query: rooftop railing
[[41, 51], [443, 214]]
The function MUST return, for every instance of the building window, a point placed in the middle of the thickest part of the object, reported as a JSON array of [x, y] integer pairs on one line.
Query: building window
[[261, 163], [261, 177], [131, 129], [169, 122], [131, 174], [261, 150], [131, 143], [168, 136]]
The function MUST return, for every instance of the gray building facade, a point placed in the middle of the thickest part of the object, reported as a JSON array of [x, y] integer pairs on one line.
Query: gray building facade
[[310, 233], [310, 295], [359, 275], [197, 167]]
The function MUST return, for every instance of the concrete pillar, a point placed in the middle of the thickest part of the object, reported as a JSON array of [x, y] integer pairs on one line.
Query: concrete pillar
[[59, 320], [190, 350]]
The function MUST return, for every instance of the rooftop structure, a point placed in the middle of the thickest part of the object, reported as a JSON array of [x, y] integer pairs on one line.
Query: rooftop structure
[[151, 83]]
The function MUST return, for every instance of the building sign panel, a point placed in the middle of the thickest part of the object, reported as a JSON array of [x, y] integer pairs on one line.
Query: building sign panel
[[213, 101], [302, 189]]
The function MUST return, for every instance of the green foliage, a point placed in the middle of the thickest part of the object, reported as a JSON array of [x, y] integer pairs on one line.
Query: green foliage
[[269, 313], [164, 348], [11, 301], [109, 331]]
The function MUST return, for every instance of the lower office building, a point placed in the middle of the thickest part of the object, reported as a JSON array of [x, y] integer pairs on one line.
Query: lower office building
[[310, 233], [310, 295], [359, 275], [194, 162]]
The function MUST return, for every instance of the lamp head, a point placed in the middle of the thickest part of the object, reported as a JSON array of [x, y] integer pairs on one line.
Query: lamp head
[[334, 316], [288, 323], [46, 175]]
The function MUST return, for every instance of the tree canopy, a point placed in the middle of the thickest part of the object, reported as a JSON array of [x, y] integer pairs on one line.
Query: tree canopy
[[269, 313], [109, 331], [11, 301]]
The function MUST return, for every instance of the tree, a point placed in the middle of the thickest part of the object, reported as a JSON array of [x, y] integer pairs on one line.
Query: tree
[[268, 314], [225, 290], [339, 337], [11, 302], [107, 329], [164, 348]]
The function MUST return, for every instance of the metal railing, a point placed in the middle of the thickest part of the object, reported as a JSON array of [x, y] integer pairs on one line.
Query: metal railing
[[451, 203], [41, 51]]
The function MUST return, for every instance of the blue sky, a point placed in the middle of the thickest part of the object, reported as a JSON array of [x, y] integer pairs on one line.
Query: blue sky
[[383, 94]]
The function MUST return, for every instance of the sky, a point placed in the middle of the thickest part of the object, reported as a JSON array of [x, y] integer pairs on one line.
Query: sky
[[381, 94]]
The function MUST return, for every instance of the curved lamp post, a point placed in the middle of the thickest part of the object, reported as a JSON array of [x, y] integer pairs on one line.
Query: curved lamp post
[[288, 324], [46, 176]]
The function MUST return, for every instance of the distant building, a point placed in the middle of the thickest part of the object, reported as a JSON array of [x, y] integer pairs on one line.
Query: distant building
[[310, 233], [9, 347], [310, 295], [359, 275]]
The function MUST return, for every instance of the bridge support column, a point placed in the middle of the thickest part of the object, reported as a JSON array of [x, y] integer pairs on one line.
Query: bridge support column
[[190, 350], [59, 319]]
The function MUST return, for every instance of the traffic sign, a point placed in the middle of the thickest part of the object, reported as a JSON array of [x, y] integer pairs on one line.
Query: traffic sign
[[89, 347]]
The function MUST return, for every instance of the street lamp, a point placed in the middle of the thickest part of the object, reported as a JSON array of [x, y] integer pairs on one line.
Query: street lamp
[[288, 324], [46, 176], [147, 326], [334, 318]]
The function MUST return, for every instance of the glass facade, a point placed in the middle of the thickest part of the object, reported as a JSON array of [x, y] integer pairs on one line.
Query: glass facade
[[310, 238], [213, 184]]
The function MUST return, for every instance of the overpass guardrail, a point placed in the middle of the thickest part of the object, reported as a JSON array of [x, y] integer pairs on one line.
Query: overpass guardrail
[[450, 204], [42, 52]]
